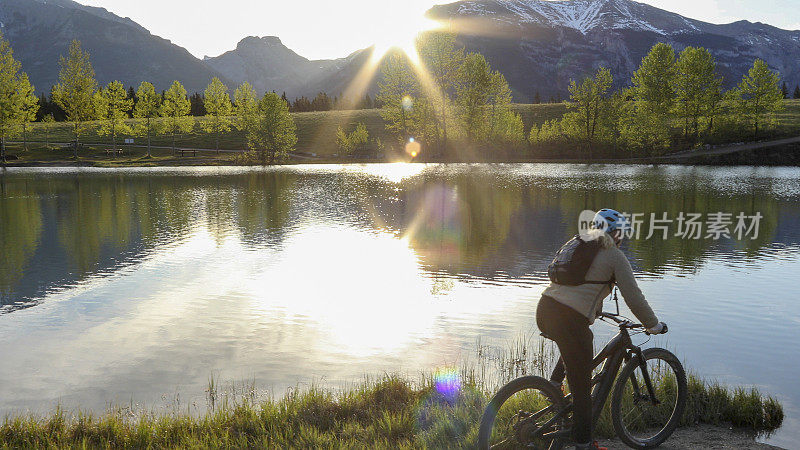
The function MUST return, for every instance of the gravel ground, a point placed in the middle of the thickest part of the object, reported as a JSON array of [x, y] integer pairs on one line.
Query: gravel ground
[[703, 437]]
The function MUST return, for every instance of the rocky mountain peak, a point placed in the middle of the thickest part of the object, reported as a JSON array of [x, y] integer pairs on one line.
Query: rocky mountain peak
[[255, 41]]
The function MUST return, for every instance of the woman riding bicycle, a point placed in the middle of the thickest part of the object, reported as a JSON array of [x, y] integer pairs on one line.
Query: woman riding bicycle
[[565, 313]]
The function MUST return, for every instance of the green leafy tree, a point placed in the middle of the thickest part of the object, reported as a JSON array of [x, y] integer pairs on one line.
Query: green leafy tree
[[218, 110], [654, 80], [758, 97], [274, 131], [589, 104], [501, 116], [113, 109], [175, 112], [617, 111], [75, 91], [649, 122], [47, 125], [359, 139], [508, 129], [12, 98], [148, 106], [796, 92], [30, 106], [550, 132], [785, 90], [483, 99], [246, 107], [398, 94], [697, 88], [473, 89], [353, 142], [643, 131], [442, 60]]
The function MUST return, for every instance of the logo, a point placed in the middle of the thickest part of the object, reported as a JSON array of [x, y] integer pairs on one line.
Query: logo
[[586, 223], [715, 226]]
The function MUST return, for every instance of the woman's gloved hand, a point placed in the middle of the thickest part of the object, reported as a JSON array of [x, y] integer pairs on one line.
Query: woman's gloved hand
[[661, 328]]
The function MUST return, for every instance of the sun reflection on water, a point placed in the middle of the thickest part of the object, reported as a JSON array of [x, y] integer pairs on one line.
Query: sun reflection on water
[[394, 172], [383, 311]]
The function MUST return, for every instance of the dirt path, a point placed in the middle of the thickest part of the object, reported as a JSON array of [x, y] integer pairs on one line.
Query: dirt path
[[726, 149], [702, 437]]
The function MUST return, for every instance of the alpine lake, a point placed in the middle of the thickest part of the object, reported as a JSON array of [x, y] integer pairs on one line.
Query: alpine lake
[[136, 286]]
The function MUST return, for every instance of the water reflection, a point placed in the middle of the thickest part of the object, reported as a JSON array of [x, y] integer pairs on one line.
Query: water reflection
[[20, 228], [481, 221], [137, 283]]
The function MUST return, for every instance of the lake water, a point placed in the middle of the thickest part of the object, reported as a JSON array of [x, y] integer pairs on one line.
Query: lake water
[[135, 286]]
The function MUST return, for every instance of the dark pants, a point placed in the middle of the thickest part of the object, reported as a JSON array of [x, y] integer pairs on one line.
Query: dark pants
[[570, 330]]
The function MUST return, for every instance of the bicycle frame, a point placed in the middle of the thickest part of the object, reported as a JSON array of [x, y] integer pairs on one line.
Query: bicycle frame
[[612, 356], [618, 351]]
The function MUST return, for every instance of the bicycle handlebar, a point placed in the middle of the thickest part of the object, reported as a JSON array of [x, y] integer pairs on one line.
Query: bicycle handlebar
[[625, 323], [620, 320]]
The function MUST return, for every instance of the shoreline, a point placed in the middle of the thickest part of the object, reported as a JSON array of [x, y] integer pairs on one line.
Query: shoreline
[[49, 145], [436, 411], [780, 152], [217, 163]]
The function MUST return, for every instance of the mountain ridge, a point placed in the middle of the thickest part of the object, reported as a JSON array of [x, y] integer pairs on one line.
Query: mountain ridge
[[267, 64], [40, 31], [539, 45]]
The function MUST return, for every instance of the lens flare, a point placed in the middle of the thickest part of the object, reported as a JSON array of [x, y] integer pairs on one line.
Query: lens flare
[[413, 148], [447, 382], [436, 231]]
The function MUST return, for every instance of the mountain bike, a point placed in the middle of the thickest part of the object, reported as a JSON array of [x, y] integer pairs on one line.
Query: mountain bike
[[647, 402]]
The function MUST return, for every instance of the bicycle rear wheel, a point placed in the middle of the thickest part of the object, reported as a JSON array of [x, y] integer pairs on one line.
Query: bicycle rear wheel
[[526, 413], [638, 420]]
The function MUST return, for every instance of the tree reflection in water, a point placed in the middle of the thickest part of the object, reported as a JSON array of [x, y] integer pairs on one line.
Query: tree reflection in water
[[59, 227]]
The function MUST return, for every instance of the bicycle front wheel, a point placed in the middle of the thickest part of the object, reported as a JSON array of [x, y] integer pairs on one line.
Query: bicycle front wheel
[[528, 412], [640, 420]]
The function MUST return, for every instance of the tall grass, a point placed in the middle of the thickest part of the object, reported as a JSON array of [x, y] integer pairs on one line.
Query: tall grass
[[388, 412]]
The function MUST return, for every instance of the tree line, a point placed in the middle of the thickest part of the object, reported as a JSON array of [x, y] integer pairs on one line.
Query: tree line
[[447, 97], [18, 102], [450, 97], [265, 121], [671, 101], [321, 102]]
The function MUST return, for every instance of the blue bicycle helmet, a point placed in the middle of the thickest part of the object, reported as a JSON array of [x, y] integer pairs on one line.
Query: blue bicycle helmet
[[610, 221]]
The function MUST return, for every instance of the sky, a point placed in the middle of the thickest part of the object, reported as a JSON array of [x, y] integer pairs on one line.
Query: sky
[[320, 29]]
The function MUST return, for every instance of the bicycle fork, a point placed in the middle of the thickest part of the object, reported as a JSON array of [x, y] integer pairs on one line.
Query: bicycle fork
[[636, 352]]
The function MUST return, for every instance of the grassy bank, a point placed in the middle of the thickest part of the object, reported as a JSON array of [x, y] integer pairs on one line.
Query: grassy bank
[[390, 413], [442, 410], [316, 132]]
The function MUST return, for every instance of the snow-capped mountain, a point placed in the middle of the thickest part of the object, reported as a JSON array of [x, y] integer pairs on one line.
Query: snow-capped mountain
[[581, 15], [540, 45]]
